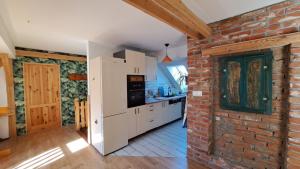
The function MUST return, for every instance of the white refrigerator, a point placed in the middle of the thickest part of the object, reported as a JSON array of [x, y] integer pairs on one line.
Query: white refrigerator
[[108, 104]]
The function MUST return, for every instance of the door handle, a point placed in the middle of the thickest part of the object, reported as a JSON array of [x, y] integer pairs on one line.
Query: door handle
[[96, 121]]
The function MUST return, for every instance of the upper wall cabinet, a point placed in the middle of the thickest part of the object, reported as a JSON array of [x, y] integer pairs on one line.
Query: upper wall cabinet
[[151, 68], [135, 61]]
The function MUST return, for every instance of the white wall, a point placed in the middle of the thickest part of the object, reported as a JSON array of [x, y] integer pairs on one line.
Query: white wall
[[4, 130], [6, 44], [3, 92]]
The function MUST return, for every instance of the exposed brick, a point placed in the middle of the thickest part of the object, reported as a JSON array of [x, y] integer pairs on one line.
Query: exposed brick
[[233, 139]]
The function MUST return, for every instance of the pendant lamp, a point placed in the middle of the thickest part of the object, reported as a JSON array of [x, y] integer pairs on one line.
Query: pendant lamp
[[167, 59]]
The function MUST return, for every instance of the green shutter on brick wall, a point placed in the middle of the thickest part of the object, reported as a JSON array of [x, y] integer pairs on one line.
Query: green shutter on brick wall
[[246, 83]]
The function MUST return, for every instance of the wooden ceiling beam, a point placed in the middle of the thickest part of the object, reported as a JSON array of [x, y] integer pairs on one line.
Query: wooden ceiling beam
[[154, 9], [252, 45], [21, 53], [182, 12]]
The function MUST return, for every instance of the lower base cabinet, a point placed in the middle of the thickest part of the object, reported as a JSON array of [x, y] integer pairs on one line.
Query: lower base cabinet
[[144, 118]]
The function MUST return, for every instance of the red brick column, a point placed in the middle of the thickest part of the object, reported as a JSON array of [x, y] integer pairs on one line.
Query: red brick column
[[293, 143], [199, 107]]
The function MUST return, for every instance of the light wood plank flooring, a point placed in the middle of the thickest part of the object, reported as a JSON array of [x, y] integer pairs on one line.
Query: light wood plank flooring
[[167, 141], [63, 148]]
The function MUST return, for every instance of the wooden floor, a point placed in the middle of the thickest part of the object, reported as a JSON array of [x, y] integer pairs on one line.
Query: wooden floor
[[64, 149], [167, 141]]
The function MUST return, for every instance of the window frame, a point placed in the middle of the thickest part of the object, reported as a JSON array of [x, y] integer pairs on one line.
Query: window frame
[[265, 106]]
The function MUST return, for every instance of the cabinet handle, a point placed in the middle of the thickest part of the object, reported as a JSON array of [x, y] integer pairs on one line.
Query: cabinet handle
[[134, 69], [151, 121], [138, 110], [134, 111]]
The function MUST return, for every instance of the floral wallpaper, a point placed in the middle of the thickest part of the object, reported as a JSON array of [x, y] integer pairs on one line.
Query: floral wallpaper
[[69, 89]]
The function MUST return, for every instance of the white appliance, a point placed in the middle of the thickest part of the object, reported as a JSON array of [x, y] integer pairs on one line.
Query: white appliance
[[108, 99], [4, 127]]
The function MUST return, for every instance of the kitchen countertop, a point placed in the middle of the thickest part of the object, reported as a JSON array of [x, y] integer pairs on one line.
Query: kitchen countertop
[[161, 99]]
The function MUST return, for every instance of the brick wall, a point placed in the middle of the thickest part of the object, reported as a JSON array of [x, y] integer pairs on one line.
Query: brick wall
[[293, 153], [231, 139]]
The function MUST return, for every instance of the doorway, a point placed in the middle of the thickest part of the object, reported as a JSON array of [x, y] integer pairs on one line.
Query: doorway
[[42, 96]]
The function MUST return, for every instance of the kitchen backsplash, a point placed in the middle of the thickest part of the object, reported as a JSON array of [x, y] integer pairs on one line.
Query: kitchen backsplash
[[162, 81]]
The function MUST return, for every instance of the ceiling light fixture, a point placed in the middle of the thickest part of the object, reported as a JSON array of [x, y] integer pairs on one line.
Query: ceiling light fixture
[[167, 59]]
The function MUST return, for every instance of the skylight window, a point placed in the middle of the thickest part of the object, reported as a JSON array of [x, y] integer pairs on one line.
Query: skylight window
[[179, 74]]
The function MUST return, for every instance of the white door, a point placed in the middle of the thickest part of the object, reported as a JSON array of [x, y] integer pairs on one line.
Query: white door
[[95, 103]]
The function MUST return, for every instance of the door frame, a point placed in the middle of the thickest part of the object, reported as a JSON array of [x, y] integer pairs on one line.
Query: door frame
[[25, 95]]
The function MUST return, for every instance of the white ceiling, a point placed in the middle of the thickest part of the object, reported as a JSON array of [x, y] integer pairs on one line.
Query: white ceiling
[[66, 25]]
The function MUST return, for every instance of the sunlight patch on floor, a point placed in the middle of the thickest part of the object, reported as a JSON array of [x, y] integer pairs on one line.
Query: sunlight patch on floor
[[42, 159], [77, 145]]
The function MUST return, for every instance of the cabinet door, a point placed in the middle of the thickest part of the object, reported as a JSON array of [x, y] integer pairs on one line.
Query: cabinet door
[[141, 64], [135, 62], [165, 112], [141, 121], [158, 114], [132, 122], [151, 116], [175, 111], [151, 68]]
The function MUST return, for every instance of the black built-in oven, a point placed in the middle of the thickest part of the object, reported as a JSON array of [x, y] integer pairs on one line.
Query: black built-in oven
[[135, 90]]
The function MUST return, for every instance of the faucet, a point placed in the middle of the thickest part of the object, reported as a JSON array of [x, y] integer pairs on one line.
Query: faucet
[[169, 91]]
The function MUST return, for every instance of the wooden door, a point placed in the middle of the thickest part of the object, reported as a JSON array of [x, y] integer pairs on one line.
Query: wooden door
[[42, 96]]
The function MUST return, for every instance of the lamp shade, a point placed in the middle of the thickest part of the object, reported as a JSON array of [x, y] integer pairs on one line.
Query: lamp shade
[[167, 59]]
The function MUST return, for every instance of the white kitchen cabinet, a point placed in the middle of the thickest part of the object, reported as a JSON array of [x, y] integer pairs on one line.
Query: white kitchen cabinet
[[144, 118], [147, 118], [132, 122], [151, 68], [136, 62], [137, 121], [174, 111]]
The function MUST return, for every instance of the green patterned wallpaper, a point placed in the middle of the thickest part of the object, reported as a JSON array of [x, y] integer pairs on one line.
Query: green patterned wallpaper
[[69, 89]]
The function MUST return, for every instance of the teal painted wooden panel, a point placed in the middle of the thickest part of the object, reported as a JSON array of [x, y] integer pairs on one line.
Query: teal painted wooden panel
[[246, 82]]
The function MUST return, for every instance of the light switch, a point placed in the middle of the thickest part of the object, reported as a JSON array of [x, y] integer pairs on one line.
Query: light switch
[[197, 93]]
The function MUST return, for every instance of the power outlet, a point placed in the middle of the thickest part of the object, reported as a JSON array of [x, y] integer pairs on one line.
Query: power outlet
[[197, 93]]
